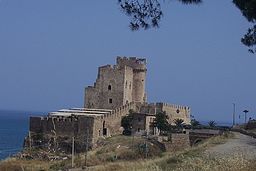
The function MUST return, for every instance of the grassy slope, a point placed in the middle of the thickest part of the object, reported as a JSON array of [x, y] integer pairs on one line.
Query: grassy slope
[[122, 153]]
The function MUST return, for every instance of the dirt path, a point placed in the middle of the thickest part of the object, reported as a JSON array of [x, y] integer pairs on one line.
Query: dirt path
[[239, 145]]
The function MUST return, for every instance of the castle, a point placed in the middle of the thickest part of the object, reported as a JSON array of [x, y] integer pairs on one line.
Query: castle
[[117, 90]]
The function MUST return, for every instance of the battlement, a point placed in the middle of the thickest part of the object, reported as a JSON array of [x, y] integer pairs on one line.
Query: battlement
[[133, 62], [180, 107], [115, 68], [172, 110]]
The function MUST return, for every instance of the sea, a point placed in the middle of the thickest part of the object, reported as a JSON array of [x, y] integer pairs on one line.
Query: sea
[[13, 129]]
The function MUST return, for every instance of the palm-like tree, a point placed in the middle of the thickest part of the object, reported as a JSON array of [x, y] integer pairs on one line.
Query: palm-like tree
[[195, 123], [179, 122], [212, 123]]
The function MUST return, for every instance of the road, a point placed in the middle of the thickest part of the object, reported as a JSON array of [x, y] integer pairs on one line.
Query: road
[[239, 145]]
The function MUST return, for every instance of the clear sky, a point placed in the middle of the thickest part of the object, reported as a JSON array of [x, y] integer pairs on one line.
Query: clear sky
[[50, 50]]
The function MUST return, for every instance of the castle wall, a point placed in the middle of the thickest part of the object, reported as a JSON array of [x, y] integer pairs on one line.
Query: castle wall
[[176, 112], [92, 97], [128, 85], [173, 111], [175, 142], [150, 108], [63, 126], [57, 132], [139, 76], [113, 120], [108, 91]]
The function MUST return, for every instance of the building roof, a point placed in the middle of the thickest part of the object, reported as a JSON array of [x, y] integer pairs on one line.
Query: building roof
[[80, 112]]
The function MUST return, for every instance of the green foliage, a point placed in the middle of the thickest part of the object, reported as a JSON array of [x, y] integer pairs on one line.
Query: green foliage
[[195, 123], [161, 121], [248, 9], [179, 123], [146, 14], [126, 123], [212, 124]]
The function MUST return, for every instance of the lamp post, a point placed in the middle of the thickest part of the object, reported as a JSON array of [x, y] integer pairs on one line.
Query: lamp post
[[245, 117], [234, 113]]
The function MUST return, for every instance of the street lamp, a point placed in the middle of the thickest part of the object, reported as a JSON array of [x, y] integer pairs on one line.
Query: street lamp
[[245, 117], [234, 111]]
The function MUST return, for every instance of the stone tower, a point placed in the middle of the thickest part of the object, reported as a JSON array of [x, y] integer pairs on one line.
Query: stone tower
[[118, 85]]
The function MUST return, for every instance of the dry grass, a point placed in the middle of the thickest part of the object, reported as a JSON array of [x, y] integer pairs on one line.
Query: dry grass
[[207, 163], [113, 150], [192, 159], [118, 154], [23, 165], [122, 148]]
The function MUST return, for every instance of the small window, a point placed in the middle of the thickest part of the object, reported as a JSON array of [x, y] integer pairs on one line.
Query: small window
[[125, 84], [130, 85], [139, 119], [138, 129], [109, 87], [110, 101]]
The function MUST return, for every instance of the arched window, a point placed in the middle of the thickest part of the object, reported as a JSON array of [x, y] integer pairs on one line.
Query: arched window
[[109, 87]]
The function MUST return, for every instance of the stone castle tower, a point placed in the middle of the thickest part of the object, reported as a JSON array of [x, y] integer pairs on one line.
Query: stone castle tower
[[118, 85], [117, 90]]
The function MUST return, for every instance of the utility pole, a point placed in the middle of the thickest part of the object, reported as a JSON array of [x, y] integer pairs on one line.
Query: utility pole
[[30, 142], [73, 151], [86, 149], [146, 146], [234, 114]]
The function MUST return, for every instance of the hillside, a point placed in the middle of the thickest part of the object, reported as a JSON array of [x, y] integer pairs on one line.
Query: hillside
[[127, 153]]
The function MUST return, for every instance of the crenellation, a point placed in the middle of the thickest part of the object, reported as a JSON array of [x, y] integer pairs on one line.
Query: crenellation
[[117, 89]]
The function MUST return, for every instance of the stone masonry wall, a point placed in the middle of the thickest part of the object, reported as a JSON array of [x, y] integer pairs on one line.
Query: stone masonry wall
[[175, 112], [113, 120], [118, 85], [108, 91], [176, 142], [45, 128], [128, 85]]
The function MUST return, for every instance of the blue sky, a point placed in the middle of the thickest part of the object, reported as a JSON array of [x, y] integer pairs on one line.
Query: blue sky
[[50, 50]]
